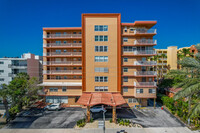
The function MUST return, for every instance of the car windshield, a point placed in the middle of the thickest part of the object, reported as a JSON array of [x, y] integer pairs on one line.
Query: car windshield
[[53, 105]]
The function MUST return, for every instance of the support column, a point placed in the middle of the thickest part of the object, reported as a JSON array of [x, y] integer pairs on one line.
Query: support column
[[88, 114], [154, 104], [114, 114]]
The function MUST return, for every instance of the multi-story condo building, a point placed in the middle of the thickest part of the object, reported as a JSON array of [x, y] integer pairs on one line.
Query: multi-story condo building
[[168, 58], [102, 62], [28, 63]]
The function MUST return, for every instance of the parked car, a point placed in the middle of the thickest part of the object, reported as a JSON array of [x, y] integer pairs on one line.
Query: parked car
[[54, 106], [97, 109]]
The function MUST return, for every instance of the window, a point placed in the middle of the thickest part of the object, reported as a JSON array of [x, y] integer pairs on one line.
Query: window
[[64, 50], [105, 38], [1, 79], [125, 89], [101, 38], [1, 62], [125, 79], [105, 27], [64, 41], [128, 49], [125, 29], [125, 59], [53, 89], [125, 69], [101, 88], [58, 34], [58, 42], [58, 77], [1, 71], [58, 51], [74, 32], [64, 89], [101, 48], [96, 38], [74, 41], [101, 69], [101, 79], [101, 59], [132, 100], [131, 29], [152, 90], [125, 39], [101, 28], [65, 77], [139, 90]]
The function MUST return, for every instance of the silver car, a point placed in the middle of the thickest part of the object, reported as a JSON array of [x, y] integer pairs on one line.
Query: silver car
[[97, 109], [54, 106]]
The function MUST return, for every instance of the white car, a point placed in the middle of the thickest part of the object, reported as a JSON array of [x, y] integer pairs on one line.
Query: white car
[[54, 106], [97, 109]]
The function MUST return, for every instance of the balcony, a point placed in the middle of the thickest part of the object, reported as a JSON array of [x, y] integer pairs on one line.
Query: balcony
[[145, 63], [18, 66], [145, 84], [62, 72], [145, 73], [63, 54], [62, 63], [63, 36], [60, 45], [162, 64], [145, 42], [140, 53], [143, 31]]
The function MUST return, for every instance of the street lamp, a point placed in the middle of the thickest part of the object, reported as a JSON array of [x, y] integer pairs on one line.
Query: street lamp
[[104, 111]]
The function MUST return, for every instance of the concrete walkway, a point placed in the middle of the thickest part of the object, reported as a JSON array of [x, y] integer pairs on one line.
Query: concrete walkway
[[129, 130]]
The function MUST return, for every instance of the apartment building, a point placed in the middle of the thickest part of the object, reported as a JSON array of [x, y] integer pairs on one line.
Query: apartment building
[[168, 58], [28, 63], [102, 62]]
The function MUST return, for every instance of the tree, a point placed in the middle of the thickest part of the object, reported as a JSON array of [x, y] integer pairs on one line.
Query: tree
[[190, 84], [4, 93], [23, 92], [162, 56]]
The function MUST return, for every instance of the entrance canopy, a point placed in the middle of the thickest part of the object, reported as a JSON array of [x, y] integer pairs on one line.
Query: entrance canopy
[[91, 99]]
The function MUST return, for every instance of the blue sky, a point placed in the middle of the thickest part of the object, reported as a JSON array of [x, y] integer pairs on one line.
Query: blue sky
[[21, 21]]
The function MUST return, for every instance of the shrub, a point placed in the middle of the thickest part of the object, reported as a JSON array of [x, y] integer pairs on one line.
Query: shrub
[[121, 123], [110, 120], [91, 120]]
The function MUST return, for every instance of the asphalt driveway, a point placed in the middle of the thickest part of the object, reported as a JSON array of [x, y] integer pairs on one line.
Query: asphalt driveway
[[65, 118]]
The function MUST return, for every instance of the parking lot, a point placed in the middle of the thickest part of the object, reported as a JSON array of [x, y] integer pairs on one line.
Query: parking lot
[[65, 118]]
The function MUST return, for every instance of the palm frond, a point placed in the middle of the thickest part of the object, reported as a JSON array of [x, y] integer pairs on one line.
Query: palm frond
[[195, 110], [188, 90]]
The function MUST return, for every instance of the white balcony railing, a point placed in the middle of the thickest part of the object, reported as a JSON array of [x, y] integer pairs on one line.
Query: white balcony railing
[[62, 63], [144, 52], [62, 45], [62, 72], [64, 54], [145, 63], [141, 73], [145, 41], [145, 84], [63, 36]]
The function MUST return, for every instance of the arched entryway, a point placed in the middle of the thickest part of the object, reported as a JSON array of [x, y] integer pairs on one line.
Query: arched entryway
[[101, 98]]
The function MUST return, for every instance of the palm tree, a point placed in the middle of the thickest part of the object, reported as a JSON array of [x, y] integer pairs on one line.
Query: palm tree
[[155, 58], [191, 85], [4, 93], [185, 51], [162, 56]]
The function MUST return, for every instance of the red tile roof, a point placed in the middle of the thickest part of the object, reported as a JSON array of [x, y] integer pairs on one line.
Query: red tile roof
[[112, 99]]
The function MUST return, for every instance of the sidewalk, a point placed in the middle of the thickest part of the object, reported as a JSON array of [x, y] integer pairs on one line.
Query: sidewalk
[[129, 130]]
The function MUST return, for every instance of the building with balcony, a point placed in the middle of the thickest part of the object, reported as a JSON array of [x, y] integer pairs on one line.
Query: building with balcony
[[168, 58], [28, 63], [103, 62]]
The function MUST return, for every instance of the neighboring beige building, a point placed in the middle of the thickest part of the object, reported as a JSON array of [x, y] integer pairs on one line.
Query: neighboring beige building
[[104, 56], [169, 62]]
